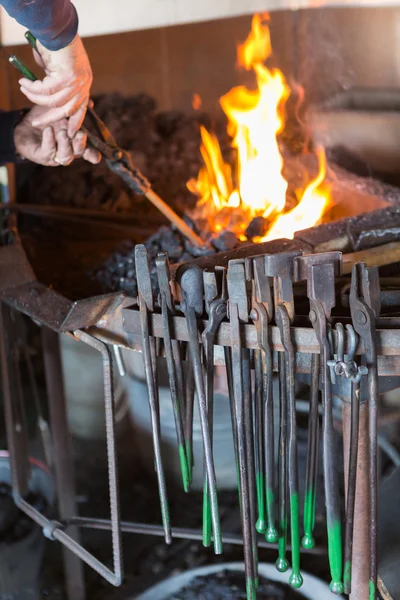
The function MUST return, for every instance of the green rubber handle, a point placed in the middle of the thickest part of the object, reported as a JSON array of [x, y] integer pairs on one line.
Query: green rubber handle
[[31, 39], [21, 67], [206, 515], [261, 525], [282, 563], [184, 469], [335, 557], [272, 534], [295, 579], [308, 541]]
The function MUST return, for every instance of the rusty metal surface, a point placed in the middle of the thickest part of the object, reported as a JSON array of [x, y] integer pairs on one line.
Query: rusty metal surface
[[389, 536], [361, 533]]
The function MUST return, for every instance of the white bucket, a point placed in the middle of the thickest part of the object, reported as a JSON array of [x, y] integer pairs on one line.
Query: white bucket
[[84, 391], [312, 588]]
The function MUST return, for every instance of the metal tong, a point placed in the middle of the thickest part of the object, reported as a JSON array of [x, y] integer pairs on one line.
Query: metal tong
[[261, 315], [319, 270], [280, 267], [365, 305], [191, 283], [174, 362], [349, 369], [146, 307], [216, 297], [118, 160], [239, 313]]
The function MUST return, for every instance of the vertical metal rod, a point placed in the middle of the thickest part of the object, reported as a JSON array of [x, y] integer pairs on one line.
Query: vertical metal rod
[[272, 533], [312, 456], [19, 471], [244, 484], [229, 377], [189, 394], [360, 560], [261, 525], [373, 461], [282, 563], [148, 361], [62, 457], [249, 433], [351, 484], [112, 463]]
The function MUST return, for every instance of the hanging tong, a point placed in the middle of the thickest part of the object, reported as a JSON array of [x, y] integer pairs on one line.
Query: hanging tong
[[239, 313], [320, 270], [191, 283], [118, 160], [261, 315], [365, 305], [173, 359], [216, 297], [146, 307], [280, 268]]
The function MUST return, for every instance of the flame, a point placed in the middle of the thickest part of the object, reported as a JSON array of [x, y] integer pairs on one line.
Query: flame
[[196, 102], [229, 197], [310, 209]]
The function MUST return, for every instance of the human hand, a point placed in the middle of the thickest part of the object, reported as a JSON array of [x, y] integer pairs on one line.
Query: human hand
[[50, 145], [66, 87]]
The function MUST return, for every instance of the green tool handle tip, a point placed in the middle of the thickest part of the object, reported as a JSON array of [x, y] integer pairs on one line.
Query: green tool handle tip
[[336, 587], [261, 526], [272, 535], [308, 542], [296, 580], [282, 565]]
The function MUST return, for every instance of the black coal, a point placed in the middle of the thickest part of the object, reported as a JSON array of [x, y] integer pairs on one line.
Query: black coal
[[230, 585]]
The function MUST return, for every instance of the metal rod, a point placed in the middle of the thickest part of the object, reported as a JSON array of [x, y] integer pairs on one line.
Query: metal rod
[[63, 467], [360, 559], [261, 525], [312, 456], [177, 532], [351, 484], [282, 563]]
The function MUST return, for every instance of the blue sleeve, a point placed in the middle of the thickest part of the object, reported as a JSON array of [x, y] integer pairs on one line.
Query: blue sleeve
[[53, 22], [8, 120]]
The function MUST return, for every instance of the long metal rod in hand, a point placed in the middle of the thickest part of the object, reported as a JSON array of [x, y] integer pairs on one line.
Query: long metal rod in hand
[[150, 194]]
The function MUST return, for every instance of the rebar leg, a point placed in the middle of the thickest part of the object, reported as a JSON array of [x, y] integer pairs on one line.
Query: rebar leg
[[361, 532], [63, 467]]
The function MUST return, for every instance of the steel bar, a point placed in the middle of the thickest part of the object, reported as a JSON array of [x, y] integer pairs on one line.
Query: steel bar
[[189, 411], [261, 525], [63, 467], [191, 283], [360, 559], [282, 318], [176, 393], [312, 456], [351, 483], [237, 376], [146, 306], [177, 532], [109, 406], [282, 563], [319, 271], [365, 307], [217, 310]]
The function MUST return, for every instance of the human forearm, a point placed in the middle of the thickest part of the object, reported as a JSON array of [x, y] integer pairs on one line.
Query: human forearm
[[53, 22]]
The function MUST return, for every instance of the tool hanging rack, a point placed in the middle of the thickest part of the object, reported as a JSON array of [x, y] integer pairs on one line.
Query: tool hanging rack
[[239, 311]]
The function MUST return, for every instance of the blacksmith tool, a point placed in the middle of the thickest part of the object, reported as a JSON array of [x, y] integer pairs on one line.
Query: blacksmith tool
[[216, 305], [189, 411], [319, 270], [282, 563], [350, 370], [312, 456], [191, 283], [239, 313], [365, 305], [280, 268], [146, 306], [118, 160], [175, 383], [261, 315]]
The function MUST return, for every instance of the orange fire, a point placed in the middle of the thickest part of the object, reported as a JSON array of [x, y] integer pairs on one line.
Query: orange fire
[[229, 197]]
